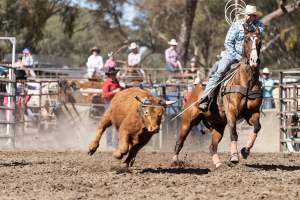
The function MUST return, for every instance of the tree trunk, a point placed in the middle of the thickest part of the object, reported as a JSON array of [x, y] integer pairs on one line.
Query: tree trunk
[[186, 30]]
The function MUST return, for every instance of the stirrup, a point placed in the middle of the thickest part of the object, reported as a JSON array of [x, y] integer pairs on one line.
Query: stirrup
[[204, 106]]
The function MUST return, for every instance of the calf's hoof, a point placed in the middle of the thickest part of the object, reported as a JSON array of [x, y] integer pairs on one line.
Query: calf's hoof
[[117, 154], [245, 152], [234, 158], [92, 149], [218, 165]]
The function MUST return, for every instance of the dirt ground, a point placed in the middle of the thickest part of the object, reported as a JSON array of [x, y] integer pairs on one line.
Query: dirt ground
[[75, 175]]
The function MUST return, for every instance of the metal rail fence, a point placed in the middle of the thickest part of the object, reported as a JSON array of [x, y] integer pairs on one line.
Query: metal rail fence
[[289, 96]]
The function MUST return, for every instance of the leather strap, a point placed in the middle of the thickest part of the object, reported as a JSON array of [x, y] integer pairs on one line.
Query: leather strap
[[242, 90]]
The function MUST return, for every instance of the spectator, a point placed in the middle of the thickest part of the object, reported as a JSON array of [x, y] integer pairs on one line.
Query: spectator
[[134, 65], [193, 70], [134, 57], [94, 63], [109, 88], [267, 87], [171, 56], [110, 63], [27, 59], [23, 71]]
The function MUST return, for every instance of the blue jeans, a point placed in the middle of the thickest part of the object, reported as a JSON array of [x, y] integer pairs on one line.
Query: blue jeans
[[223, 67], [171, 68], [268, 103]]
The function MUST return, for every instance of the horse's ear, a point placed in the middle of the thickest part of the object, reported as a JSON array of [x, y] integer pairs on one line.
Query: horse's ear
[[257, 31]]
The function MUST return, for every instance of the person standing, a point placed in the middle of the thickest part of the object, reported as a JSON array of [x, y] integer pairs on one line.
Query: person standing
[[267, 87], [110, 87], [94, 63], [171, 56]]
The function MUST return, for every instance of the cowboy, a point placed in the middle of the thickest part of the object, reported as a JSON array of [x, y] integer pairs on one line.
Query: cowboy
[[233, 50], [171, 56], [94, 63], [134, 57], [267, 88], [215, 66], [110, 87]]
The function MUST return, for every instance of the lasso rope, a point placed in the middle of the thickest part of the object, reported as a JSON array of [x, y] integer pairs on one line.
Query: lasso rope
[[228, 77], [233, 10]]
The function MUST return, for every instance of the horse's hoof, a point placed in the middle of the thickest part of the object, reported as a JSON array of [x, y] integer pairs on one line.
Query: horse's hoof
[[178, 163], [245, 152], [123, 168], [218, 165], [234, 158]]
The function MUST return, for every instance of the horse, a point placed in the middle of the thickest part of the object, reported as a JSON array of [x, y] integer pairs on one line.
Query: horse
[[238, 98]]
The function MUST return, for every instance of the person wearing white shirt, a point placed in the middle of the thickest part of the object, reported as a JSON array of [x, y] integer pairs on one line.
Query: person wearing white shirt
[[94, 63], [134, 57], [27, 59]]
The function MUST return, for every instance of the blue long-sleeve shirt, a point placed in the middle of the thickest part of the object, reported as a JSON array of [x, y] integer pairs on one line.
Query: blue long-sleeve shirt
[[235, 38], [267, 86]]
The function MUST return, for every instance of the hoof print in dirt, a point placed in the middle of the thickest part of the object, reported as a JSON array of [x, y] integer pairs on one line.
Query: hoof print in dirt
[[178, 163]]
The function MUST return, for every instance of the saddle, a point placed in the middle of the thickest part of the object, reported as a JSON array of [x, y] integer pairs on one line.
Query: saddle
[[223, 88]]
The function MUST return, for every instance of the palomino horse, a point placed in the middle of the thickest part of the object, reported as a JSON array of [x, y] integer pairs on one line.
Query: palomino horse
[[239, 98]]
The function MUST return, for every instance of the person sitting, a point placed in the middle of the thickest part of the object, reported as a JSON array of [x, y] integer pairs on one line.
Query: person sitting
[[134, 57], [110, 87], [27, 59], [234, 46], [94, 63], [134, 64], [267, 87], [171, 56], [110, 63]]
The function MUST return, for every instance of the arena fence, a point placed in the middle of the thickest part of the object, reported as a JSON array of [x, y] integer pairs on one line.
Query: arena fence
[[289, 95], [288, 103], [9, 111]]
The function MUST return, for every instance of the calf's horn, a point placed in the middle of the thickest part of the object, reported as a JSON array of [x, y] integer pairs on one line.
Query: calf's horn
[[138, 99]]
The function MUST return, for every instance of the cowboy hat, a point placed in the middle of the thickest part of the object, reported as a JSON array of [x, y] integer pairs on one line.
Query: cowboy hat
[[110, 71], [173, 42], [110, 54], [26, 50], [132, 46], [251, 10], [266, 71], [193, 60], [95, 49]]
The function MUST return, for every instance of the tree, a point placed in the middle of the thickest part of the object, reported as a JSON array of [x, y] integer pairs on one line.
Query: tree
[[186, 29]]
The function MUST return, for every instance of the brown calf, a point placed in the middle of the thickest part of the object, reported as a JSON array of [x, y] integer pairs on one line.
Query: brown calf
[[135, 120]]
